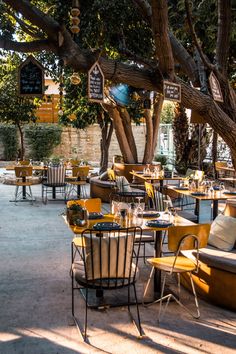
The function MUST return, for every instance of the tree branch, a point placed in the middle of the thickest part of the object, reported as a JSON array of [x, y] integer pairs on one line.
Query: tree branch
[[35, 16], [26, 28], [161, 38], [26, 47], [223, 34], [205, 60], [145, 9]]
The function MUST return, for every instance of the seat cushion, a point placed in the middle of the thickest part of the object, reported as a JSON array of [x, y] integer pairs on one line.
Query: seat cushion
[[223, 232], [79, 274], [183, 264], [215, 258]]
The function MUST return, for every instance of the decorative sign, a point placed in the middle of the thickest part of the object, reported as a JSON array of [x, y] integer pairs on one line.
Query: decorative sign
[[147, 103], [95, 83], [215, 88], [172, 91], [31, 78]]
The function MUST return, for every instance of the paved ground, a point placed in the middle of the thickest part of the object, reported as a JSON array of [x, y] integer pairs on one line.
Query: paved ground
[[35, 315]]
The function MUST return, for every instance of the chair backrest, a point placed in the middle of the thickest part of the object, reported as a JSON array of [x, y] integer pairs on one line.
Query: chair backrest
[[56, 175], [74, 162], [80, 172], [109, 257], [23, 171], [176, 234], [156, 197], [123, 184], [24, 162], [93, 205]]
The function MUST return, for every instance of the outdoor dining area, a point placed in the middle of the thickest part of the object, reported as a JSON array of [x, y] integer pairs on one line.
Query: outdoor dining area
[[117, 177], [147, 250]]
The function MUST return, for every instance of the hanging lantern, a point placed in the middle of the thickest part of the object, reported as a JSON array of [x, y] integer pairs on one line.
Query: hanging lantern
[[75, 79]]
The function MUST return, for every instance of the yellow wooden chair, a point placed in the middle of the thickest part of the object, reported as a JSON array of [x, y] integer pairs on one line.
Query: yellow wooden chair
[[180, 239], [23, 179], [93, 205]]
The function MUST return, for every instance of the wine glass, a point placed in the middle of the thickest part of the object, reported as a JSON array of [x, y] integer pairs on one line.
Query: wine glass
[[222, 187], [139, 208], [167, 211]]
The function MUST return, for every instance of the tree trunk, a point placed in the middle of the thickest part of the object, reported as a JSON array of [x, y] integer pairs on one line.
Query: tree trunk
[[22, 143], [148, 151], [156, 118], [120, 134], [127, 124], [214, 151], [106, 131]]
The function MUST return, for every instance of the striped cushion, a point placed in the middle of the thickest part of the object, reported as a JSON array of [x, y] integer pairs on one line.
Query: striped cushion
[[56, 175]]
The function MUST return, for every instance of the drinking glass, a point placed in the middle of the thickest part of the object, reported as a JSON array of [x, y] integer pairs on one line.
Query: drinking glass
[[139, 208], [167, 212]]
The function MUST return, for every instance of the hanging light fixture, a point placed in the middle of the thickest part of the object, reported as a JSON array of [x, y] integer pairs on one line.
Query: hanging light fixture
[[75, 78]]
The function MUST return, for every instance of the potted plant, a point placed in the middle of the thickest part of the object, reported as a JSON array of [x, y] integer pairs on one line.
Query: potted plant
[[76, 212]]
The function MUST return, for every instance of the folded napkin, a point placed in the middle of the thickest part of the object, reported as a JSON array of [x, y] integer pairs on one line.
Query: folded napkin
[[94, 216], [158, 223], [106, 226]]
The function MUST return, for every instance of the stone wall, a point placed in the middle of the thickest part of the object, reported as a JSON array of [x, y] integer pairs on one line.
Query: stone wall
[[86, 144]]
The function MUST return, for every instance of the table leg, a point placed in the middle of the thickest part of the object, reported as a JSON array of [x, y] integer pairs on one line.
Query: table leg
[[157, 272], [78, 191], [215, 209], [23, 188], [54, 192], [197, 209]]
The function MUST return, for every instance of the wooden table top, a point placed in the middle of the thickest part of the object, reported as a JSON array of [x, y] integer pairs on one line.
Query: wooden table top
[[150, 177], [216, 195], [178, 221]]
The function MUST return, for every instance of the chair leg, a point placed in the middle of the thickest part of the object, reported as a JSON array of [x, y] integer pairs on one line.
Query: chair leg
[[137, 324]]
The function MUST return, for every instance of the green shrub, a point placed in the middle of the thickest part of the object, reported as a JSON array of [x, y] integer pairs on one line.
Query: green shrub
[[8, 134], [42, 139], [161, 158]]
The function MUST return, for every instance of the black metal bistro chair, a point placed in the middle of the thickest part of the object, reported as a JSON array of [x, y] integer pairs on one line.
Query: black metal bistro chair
[[55, 182], [106, 261]]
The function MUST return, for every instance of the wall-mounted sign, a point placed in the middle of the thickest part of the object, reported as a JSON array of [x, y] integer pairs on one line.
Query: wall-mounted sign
[[95, 83], [31, 78], [171, 91], [215, 88]]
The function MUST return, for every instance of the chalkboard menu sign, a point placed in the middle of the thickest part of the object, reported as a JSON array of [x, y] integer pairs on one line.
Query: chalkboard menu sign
[[215, 88], [95, 83], [31, 78], [172, 92]]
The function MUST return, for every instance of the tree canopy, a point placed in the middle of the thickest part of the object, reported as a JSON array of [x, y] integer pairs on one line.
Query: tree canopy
[[140, 43]]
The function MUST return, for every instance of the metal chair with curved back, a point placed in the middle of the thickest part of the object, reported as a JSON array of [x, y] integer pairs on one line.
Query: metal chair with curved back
[[107, 261], [180, 239], [54, 182], [78, 181]]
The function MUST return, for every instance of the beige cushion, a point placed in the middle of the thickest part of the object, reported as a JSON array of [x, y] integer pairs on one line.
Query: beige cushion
[[123, 184], [112, 247], [223, 232]]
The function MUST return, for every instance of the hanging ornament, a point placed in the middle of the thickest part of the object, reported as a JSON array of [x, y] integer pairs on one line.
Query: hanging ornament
[[75, 79], [75, 12]]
